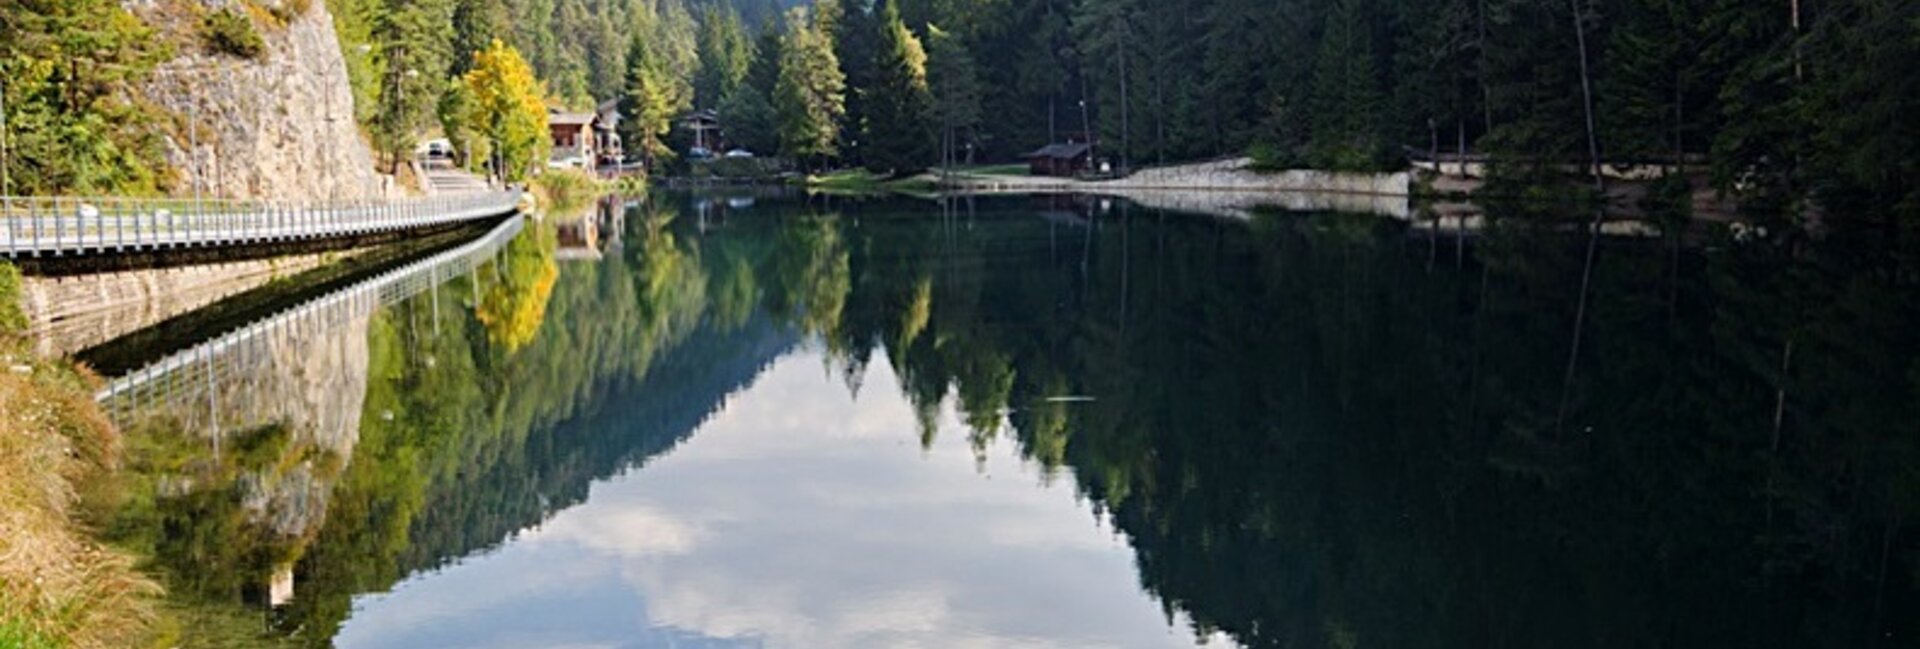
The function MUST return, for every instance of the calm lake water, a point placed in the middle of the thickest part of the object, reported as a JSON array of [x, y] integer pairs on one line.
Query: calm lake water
[[708, 421]]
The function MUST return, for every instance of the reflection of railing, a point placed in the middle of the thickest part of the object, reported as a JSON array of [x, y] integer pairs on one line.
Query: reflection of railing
[[194, 383], [35, 227]]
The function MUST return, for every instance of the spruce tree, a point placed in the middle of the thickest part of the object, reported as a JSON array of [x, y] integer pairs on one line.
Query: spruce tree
[[809, 99], [1346, 130], [900, 134]]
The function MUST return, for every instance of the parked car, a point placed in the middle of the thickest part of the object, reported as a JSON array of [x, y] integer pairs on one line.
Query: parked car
[[739, 153], [436, 150]]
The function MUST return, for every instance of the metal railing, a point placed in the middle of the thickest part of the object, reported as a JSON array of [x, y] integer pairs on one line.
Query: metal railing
[[216, 386], [61, 226]]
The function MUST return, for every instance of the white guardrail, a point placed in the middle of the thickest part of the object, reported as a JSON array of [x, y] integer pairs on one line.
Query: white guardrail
[[199, 375], [59, 227]]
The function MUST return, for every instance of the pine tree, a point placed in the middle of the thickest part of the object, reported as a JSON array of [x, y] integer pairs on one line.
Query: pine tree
[[900, 134], [954, 78], [809, 98], [648, 104], [1346, 94]]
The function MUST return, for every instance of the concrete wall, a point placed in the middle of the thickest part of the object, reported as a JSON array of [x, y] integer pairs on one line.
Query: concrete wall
[[68, 314]]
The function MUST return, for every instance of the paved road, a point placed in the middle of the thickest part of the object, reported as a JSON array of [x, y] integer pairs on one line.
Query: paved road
[[443, 178]]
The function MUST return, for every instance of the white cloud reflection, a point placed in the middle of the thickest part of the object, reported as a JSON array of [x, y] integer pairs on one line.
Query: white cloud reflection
[[800, 518]]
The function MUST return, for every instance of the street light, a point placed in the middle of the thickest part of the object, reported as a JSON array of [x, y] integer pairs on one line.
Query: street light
[[1087, 124], [6, 181]]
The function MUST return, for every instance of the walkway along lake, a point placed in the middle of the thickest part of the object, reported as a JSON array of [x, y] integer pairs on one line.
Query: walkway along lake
[[723, 421]]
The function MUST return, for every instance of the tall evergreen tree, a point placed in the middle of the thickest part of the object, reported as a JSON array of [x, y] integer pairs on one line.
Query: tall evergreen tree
[[900, 132], [414, 39], [1346, 127], [954, 79], [809, 98], [649, 103]]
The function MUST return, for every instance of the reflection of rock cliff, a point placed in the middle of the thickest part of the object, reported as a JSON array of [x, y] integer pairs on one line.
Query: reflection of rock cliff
[[304, 386], [280, 128]]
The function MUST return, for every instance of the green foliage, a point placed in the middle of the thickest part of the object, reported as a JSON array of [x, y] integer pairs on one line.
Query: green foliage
[[231, 32], [16, 634], [68, 69], [650, 103], [415, 40], [13, 317], [726, 56], [506, 110], [1346, 126], [810, 97], [899, 107], [954, 79]]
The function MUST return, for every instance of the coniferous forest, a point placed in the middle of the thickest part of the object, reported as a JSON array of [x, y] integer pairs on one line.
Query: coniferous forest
[[1783, 104], [1778, 102]]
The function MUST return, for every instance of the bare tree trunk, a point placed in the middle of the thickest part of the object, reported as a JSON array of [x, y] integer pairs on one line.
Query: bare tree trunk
[[1586, 92], [1486, 93]]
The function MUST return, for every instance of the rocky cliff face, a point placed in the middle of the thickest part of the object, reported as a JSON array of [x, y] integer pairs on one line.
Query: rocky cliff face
[[279, 127]]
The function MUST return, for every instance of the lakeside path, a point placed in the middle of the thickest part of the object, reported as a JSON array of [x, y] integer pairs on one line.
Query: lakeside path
[[1223, 187]]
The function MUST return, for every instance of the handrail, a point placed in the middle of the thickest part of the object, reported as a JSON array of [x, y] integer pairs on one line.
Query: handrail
[[79, 226], [155, 380]]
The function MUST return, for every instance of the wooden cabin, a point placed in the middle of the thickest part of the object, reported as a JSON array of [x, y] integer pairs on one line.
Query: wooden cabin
[[1064, 160]]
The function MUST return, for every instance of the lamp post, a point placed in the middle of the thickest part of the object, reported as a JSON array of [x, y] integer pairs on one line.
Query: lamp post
[[6, 181], [1087, 124]]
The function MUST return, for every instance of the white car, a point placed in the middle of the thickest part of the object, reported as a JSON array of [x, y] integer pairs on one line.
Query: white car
[[739, 153], [436, 149]]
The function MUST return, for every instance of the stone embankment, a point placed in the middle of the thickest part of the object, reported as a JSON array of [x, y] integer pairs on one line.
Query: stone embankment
[[69, 314], [280, 127], [1224, 187]]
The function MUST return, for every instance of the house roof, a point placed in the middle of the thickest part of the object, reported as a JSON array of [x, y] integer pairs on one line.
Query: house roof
[[557, 118], [1059, 151]]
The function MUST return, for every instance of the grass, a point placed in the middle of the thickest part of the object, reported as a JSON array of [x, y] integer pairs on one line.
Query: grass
[[59, 587], [861, 181], [566, 191], [997, 170]]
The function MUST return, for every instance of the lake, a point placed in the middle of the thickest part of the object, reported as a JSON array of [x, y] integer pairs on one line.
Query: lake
[[706, 420]]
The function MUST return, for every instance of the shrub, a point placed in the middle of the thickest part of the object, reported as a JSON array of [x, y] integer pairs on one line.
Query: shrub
[[12, 319], [230, 32]]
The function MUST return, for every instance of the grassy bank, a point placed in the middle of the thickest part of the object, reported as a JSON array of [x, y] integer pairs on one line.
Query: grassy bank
[[565, 191], [59, 587], [861, 181]]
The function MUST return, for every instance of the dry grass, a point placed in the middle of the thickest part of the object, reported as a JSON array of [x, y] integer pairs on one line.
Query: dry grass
[[58, 586]]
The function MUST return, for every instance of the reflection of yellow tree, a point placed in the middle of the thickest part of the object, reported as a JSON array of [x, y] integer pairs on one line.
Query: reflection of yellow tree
[[514, 305], [919, 311], [815, 273]]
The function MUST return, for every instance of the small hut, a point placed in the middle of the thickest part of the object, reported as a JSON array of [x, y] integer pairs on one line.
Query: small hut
[[1064, 160]]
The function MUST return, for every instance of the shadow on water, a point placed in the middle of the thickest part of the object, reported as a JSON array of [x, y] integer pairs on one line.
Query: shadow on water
[[1312, 429]]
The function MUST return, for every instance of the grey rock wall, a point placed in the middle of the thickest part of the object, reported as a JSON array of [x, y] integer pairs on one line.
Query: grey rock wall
[[280, 128]]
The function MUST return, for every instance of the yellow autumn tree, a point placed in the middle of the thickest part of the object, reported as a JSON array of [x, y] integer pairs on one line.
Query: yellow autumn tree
[[505, 109]]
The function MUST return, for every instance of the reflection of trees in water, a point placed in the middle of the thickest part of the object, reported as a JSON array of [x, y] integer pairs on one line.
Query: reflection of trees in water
[[1313, 439], [514, 304], [1314, 431]]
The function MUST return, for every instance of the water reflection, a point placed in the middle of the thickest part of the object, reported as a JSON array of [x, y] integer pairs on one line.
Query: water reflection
[[1306, 429]]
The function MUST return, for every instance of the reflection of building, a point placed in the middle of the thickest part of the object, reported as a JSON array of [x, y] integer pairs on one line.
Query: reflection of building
[[590, 236]]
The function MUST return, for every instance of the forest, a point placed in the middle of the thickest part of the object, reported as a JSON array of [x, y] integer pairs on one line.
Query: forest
[[1779, 102], [1784, 104]]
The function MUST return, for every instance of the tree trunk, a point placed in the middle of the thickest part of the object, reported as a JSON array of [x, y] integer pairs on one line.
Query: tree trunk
[[1586, 92]]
